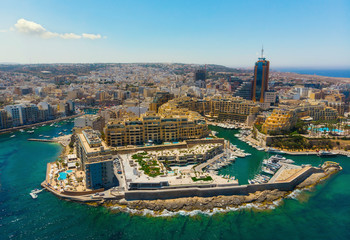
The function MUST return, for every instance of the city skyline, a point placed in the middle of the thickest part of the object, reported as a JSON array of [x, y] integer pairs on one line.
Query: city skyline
[[295, 34]]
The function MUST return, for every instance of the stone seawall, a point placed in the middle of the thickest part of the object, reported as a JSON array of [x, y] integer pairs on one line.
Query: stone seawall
[[216, 191]]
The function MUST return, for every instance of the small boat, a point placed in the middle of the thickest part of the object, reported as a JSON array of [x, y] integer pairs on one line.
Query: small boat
[[33, 195], [13, 136], [21, 130], [326, 154]]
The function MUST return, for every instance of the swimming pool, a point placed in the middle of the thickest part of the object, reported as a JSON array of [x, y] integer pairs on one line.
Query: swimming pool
[[63, 175], [326, 129]]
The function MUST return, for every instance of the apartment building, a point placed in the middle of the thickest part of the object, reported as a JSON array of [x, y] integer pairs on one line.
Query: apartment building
[[96, 159], [157, 128]]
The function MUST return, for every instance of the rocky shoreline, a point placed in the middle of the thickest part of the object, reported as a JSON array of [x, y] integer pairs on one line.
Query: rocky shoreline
[[263, 199]]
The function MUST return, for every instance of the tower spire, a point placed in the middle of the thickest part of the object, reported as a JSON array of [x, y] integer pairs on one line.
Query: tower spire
[[262, 51]]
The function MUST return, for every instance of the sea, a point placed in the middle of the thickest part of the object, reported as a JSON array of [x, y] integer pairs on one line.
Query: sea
[[341, 73], [319, 213]]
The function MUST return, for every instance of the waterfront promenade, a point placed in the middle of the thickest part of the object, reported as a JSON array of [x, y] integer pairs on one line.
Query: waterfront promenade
[[8, 130]]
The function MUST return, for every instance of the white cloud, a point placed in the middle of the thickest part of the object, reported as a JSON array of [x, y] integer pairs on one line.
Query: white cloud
[[3, 30], [32, 28], [91, 36], [70, 36]]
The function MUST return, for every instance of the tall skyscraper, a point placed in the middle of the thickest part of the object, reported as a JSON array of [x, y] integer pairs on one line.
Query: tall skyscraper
[[199, 78], [261, 78]]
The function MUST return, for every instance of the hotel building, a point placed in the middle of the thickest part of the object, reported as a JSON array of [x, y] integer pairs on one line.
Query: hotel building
[[219, 108], [169, 125], [96, 159]]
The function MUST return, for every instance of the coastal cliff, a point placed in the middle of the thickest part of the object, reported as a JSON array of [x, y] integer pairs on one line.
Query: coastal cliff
[[262, 198]]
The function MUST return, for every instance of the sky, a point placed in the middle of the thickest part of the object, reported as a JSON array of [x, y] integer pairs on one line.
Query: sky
[[298, 33]]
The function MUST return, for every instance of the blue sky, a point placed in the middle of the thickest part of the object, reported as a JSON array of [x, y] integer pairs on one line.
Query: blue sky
[[298, 33]]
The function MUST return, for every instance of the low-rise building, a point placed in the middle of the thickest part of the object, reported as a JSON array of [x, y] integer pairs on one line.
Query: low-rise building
[[94, 121]]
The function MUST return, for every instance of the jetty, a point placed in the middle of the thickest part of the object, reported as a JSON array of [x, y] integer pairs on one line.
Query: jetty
[[40, 140]]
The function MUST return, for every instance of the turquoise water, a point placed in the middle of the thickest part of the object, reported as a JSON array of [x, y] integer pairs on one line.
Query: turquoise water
[[62, 176], [327, 130], [320, 214], [345, 73]]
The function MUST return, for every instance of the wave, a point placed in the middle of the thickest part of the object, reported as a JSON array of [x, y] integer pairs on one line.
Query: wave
[[167, 213]]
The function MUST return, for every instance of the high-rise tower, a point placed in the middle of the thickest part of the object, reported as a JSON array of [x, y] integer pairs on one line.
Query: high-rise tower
[[261, 78]]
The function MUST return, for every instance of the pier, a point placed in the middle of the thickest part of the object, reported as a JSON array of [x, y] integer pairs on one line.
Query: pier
[[40, 140]]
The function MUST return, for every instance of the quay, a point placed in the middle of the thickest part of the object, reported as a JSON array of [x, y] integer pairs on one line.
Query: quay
[[8, 130], [40, 140]]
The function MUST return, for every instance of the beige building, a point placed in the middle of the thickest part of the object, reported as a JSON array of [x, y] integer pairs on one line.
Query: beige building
[[96, 159], [168, 126], [219, 108], [280, 119]]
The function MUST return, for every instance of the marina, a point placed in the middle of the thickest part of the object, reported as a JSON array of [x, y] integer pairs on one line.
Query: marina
[[61, 212]]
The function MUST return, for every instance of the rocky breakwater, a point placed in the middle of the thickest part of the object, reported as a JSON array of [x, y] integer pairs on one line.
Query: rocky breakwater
[[261, 199], [329, 168]]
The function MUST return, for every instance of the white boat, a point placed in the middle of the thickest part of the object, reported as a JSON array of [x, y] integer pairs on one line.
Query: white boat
[[326, 154], [33, 195], [273, 150], [260, 149], [13, 136], [21, 130], [36, 191]]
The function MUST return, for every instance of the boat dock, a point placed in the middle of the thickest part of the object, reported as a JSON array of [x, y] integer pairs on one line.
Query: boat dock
[[40, 140]]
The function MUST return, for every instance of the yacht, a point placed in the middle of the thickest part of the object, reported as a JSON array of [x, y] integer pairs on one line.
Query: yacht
[[326, 154], [273, 150], [268, 170], [13, 136]]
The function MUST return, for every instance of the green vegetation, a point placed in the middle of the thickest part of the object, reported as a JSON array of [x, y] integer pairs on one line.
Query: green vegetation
[[207, 178], [258, 127], [149, 166], [71, 143], [296, 142]]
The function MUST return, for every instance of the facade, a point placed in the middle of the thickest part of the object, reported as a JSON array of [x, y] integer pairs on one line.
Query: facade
[[5, 120], [96, 159], [157, 128], [199, 78], [219, 108], [159, 99], [271, 97], [280, 119], [15, 112], [317, 111], [94, 121], [261, 78], [244, 91]]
